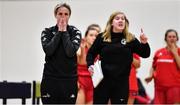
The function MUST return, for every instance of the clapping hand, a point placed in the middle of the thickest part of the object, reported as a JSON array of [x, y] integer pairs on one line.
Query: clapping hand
[[62, 24], [148, 79]]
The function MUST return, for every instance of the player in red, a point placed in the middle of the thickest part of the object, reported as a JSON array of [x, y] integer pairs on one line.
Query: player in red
[[166, 71], [133, 85], [85, 86]]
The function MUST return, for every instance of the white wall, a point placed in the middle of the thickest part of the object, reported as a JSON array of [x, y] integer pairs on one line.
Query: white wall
[[179, 16], [22, 55], [0, 40]]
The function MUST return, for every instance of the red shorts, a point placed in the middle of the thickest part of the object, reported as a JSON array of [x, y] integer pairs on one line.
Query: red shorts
[[164, 95], [85, 82]]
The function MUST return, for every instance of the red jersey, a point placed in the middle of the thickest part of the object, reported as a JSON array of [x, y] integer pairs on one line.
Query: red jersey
[[82, 69], [132, 78], [167, 72], [85, 80]]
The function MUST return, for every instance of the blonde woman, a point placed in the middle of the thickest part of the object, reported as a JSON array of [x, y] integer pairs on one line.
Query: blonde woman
[[115, 46]]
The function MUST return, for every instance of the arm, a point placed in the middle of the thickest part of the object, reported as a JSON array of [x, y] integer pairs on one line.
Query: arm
[[94, 51], [151, 75], [81, 53], [152, 72], [142, 49], [50, 41], [136, 63], [177, 59], [71, 44], [174, 51]]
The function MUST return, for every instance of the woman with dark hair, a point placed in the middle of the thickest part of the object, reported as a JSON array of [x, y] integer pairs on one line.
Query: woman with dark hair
[[166, 71], [85, 85], [115, 46]]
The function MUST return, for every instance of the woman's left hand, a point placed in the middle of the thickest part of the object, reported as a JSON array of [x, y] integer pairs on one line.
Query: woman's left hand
[[62, 24]]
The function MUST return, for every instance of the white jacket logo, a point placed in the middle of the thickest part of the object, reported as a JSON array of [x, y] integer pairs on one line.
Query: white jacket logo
[[72, 96], [123, 41]]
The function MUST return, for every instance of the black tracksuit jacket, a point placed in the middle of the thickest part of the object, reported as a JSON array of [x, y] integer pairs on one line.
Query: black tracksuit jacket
[[60, 52], [116, 56]]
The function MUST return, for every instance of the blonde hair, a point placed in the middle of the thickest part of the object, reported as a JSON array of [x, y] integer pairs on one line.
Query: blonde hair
[[107, 32]]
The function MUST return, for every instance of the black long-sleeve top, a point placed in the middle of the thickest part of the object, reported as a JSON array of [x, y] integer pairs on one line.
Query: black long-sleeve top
[[116, 56], [60, 52]]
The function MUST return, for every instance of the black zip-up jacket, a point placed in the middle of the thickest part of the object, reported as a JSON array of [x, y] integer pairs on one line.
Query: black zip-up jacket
[[116, 56], [60, 52]]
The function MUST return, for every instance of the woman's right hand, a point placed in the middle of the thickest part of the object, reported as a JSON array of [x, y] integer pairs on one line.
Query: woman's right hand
[[143, 37], [62, 24], [152, 75], [83, 43], [91, 70], [148, 79]]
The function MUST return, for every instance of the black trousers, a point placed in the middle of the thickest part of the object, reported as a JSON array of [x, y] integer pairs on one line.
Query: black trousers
[[115, 90], [58, 91]]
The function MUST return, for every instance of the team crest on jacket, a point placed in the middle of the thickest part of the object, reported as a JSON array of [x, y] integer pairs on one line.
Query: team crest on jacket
[[123, 41]]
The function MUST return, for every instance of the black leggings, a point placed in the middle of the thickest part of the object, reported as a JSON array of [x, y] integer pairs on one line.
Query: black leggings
[[55, 91], [115, 90]]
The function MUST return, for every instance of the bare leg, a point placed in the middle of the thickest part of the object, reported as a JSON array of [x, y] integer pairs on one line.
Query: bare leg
[[90, 103], [80, 97], [131, 101]]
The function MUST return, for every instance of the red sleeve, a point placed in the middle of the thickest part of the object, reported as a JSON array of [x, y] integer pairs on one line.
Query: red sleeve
[[136, 56]]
